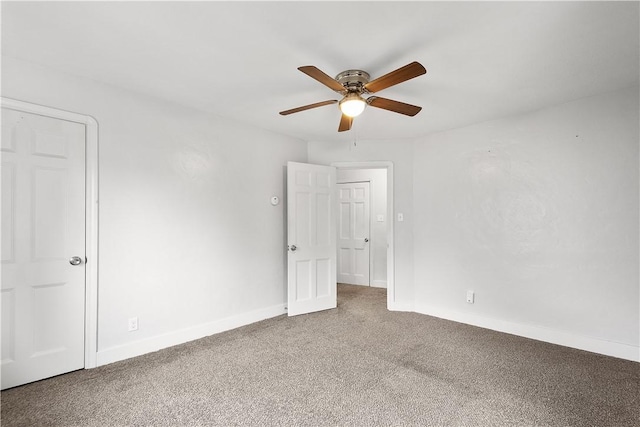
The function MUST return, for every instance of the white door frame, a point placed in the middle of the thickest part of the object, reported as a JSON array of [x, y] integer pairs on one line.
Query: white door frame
[[391, 288], [91, 216]]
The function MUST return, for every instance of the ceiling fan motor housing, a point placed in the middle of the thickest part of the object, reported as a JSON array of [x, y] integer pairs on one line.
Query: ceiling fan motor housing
[[353, 80]]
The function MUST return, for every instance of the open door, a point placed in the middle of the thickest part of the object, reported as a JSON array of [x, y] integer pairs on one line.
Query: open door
[[311, 238]]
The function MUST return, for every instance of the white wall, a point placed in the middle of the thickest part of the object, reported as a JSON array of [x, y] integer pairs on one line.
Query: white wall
[[377, 179], [538, 214], [184, 210], [400, 153]]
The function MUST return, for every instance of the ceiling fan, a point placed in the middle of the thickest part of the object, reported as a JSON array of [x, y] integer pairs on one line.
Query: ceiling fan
[[353, 84]]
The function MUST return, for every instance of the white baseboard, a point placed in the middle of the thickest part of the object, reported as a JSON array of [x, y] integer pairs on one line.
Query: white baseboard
[[595, 345], [400, 306], [378, 283], [148, 345], [540, 333]]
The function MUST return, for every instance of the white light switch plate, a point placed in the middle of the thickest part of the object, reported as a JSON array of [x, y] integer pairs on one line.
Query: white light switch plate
[[380, 218], [400, 217]]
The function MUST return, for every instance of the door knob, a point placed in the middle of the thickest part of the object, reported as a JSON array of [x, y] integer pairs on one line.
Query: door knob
[[75, 260], [293, 248], [366, 239]]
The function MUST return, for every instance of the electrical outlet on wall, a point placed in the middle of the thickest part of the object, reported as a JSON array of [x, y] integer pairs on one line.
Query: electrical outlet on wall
[[470, 297], [133, 324]]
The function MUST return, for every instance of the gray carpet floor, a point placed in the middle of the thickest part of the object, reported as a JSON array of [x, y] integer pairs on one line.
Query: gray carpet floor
[[357, 365]]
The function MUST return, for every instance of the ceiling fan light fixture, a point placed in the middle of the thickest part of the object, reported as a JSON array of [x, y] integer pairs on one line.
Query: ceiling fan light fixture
[[353, 84], [352, 105]]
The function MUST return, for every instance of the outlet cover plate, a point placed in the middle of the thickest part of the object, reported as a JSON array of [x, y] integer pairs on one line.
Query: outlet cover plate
[[133, 324], [470, 297]]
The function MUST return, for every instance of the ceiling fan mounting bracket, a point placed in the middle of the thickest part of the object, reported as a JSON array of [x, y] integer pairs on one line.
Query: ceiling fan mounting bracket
[[353, 80]]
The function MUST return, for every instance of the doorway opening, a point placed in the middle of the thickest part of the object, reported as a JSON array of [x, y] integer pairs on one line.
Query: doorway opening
[[380, 244]]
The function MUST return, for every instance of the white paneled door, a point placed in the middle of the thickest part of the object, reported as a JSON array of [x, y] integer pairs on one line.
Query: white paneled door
[[311, 235], [43, 247], [353, 233]]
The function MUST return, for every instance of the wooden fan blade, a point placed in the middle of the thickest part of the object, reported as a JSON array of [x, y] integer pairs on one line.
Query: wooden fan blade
[[315, 73], [345, 123], [400, 75], [308, 107], [395, 106]]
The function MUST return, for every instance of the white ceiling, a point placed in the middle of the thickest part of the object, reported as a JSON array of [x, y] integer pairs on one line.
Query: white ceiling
[[238, 60]]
